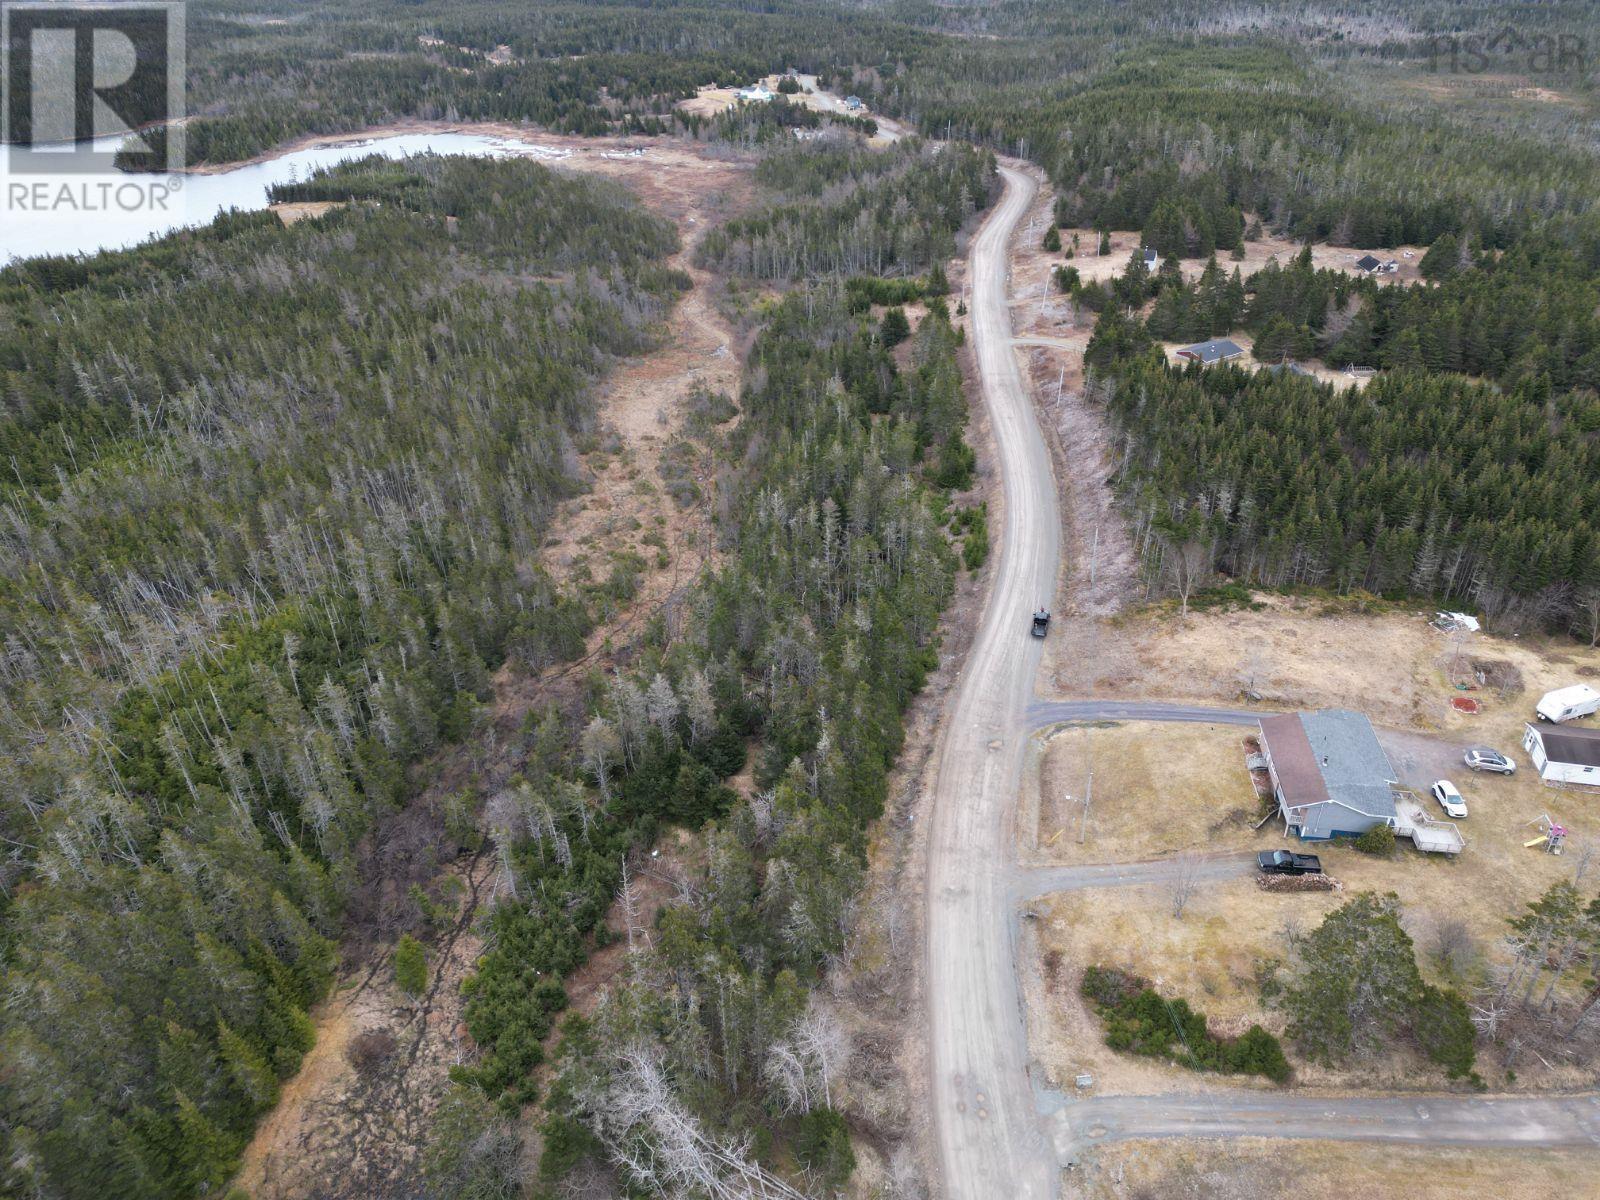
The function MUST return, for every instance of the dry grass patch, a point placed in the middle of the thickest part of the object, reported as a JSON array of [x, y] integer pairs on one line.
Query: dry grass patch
[[1313, 652], [1208, 958], [1159, 788], [1255, 1169]]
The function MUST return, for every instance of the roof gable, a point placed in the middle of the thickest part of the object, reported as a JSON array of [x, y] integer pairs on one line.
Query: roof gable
[[1579, 747], [1355, 770], [1213, 351]]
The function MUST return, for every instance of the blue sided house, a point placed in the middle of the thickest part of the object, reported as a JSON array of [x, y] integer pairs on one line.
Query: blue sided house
[[1329, 774]]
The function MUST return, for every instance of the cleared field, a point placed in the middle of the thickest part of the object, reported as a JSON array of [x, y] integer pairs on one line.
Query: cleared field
[[1312, 652], [1092, 266], [1210, 956], [1246, 342], [1257, 1168], [1157, 789]]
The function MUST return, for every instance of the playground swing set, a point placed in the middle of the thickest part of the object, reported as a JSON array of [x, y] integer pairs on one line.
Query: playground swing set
[[1550, 836]]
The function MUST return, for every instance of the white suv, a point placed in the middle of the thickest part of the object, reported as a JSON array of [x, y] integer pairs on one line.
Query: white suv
[[1449, 799]]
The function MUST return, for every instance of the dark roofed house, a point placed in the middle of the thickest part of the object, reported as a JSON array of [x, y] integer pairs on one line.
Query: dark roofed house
[[1291, 367], [1214, 351], [1151, 259], [1368, 264], [1330, 776]]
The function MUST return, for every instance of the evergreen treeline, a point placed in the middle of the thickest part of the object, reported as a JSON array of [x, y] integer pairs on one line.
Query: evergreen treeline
[[272, 504], [1533, 310], [812, 638], [1418, 485], [260, 77], [855, 211]]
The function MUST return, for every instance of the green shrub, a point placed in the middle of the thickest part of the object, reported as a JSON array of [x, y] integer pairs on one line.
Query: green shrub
[[1139, 1020], [1445, 1031], [1377, 841], [410, 966], [822, 1146], [895, 327]]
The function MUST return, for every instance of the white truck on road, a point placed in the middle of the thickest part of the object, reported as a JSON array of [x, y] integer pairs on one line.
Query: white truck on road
[[1568, 703]]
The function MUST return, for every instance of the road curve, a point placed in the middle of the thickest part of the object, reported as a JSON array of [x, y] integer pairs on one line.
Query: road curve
[[991, 1142]]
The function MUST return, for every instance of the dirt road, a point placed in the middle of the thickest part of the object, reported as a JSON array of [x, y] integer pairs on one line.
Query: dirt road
[[1000, 1132], [991, 1143], [1423, 1120]]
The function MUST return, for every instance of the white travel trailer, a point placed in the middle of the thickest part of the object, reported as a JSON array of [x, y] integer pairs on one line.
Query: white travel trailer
[[1565, 704]]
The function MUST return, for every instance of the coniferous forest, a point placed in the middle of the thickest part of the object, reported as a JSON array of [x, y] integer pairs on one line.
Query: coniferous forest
[[255, 564], [272, 499]]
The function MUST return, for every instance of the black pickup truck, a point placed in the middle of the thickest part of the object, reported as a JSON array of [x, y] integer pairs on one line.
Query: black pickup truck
[[1281, 862]]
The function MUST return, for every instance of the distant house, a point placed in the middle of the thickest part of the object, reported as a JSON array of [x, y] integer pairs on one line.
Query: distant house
[[756, 94], [1215, 351], [1329, 775], [1564, 754], [1152, 260], [1368, 265], [1292, 368], [853, 103]]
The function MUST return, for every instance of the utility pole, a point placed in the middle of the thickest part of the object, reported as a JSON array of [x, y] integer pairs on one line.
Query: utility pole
[[1088, 795], [1094, 555]]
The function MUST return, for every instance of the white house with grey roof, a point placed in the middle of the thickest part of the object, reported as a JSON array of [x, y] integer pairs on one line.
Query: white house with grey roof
[[1329, 774], [1215, 351]]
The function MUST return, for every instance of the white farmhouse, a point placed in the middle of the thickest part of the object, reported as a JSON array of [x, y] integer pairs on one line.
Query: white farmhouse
[[1564, 754]]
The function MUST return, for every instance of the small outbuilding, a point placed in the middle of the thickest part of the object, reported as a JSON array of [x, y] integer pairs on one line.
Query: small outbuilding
[[1330, 776], [1564, 754], [1368, 265], [1215, 351], [1151, 260]]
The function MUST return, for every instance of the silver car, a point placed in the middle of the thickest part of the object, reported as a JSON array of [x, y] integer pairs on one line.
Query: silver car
[[1481, 758]]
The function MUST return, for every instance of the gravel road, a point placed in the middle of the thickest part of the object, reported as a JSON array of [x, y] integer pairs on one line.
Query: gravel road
[[991, 1141], [1571, 1121], [1002, 1135]]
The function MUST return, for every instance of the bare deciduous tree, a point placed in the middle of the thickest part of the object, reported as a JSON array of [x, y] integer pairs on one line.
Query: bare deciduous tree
[[601, 747], [1449, 946], [1184, 879]]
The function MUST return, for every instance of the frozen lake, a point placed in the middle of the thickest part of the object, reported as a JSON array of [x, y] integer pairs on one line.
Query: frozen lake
[[59, 215]]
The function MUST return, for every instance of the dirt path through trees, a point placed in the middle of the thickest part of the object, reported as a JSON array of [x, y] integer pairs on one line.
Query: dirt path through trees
[[354, 1121]]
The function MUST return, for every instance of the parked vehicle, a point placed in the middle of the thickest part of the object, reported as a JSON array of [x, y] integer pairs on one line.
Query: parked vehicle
[[1568, 703], [1481, 758], [1041, 623], [1449, 798], [1282, 862]]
